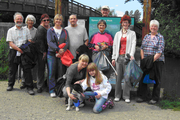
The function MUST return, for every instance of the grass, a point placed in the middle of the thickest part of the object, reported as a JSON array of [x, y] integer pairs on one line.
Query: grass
[[170, 101]]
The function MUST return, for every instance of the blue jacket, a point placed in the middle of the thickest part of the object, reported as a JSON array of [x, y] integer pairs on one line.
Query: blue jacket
[[53, 41]]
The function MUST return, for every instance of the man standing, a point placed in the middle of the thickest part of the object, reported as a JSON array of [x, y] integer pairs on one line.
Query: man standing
[[77, 35], [105, 11], [16, 36], [41, 43]]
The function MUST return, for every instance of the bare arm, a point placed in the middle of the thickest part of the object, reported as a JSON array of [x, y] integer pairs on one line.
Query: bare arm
[[156, 56], [15, 47], [142, 54]]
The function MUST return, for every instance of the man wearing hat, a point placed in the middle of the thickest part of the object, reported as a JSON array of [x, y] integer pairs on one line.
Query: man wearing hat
[[41, 43], [105, 11]]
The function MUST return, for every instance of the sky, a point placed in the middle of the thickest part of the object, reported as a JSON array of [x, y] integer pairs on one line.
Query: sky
[[118, 5]]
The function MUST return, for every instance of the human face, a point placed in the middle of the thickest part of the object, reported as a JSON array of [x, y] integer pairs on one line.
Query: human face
[[105, 12], [154, 29], [73, 20], [45, 21], [92, 73], [83, 64], [30, 23], [125, 24], [101, 27], [18, 20], [58, 21]]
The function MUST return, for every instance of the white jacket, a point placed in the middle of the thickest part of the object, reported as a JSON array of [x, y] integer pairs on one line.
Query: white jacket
[[104, 88], [130, 43]]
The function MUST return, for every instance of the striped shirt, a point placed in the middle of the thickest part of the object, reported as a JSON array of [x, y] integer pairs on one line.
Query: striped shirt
[[153, 46], [18, 36]]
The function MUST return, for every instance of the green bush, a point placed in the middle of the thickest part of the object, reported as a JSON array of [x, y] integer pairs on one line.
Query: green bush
[[4, 68], [169, 28]]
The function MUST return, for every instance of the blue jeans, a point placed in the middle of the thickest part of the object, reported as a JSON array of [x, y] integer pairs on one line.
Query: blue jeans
[[99, 102]]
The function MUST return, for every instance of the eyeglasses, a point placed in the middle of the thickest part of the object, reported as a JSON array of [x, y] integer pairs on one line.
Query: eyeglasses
[[46, 20]]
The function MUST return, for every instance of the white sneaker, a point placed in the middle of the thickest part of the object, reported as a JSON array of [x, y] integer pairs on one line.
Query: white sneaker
[[116, 99], [53, 95], [127, 100]]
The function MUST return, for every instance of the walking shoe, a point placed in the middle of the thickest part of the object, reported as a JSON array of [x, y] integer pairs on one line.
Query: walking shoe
[[30, 91], [152, 102], [139, 100], [116, 99], [127, 100], [9, 88], [22, 86], [39, 90], [53, 95]]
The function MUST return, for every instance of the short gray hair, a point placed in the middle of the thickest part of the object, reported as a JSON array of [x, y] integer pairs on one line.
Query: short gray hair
[[31, 17], [154, 22], [18, 13]]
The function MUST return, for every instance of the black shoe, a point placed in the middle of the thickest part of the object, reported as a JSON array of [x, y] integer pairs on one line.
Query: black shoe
[[22, 85], [39, 90], [9, 88], [139, 100], [30, 91]]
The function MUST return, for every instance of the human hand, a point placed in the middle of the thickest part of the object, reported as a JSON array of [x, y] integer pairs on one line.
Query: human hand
[[61, 51], [113, 62], [72, 96], [58, 55], [98, 96], [97, 47], [132, 58], [103, 47], [20, 51]]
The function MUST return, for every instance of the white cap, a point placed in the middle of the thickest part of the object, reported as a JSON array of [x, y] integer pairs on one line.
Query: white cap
[[105, 7]]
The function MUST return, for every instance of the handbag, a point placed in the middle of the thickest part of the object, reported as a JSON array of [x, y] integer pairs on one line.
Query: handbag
[[60, 84], [147, 80], [101, 61]]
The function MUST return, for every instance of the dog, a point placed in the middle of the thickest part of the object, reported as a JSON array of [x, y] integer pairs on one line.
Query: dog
[[78, 94]]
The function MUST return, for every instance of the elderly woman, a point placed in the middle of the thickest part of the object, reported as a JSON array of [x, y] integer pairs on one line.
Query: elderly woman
[[101, 40], [55, 36], [30, 21], [76, 73], [124, 42], [152, 61]]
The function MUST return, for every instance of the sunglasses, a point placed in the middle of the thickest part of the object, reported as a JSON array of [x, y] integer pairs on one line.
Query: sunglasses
[[46, 20]]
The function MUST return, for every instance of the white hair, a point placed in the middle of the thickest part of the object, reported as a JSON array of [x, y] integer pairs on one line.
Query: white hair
[[154, 22], [30, 17], [18, 13]]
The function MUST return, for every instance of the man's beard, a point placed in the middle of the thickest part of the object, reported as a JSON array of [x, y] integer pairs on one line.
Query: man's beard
[[19, 24]]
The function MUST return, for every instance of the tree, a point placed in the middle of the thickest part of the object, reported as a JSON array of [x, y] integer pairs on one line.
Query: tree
[[111, 13], [136, 15]]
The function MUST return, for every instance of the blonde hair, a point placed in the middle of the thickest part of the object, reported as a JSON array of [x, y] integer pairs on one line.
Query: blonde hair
[[92, 66], [58, 16], [84, 58]]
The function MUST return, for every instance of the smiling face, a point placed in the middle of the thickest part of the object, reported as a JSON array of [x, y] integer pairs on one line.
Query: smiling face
[[45, 22], [154, 29], [73, 20], [18, 20], [58, 21], [105, 12], [92, 73], [101, 27], [83, 64], [125, 24], [30, 23]]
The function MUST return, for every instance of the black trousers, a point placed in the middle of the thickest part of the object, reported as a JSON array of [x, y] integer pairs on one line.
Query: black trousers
[[143, 89], [14, 61]]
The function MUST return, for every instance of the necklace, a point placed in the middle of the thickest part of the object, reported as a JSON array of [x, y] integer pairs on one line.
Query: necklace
[[124, 31]]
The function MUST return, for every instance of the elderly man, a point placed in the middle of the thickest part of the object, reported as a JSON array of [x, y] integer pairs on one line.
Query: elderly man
[[77, 35], [16, 36], [105, 11]]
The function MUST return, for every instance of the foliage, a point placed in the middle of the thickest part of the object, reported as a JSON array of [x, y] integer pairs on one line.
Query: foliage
[[170, 101], [111, 13], [136, 15], [4, 68], [169, 28]]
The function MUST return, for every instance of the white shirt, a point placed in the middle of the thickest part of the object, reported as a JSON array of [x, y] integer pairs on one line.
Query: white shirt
[[58, 32]]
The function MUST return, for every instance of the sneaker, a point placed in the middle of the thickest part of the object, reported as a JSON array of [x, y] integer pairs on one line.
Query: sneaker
[[127, 100], [30, 91], [39, 90], [139, 100], [116, 99], [152, 102], [23, 85], [9, 88], [53, 95]]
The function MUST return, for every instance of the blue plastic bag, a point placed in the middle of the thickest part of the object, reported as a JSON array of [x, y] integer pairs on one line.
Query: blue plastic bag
[[147, 80]]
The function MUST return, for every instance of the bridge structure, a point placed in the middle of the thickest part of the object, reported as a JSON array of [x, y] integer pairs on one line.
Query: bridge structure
[[47, 6]]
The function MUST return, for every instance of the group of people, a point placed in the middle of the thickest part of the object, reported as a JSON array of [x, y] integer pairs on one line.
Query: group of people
[[48, 39]]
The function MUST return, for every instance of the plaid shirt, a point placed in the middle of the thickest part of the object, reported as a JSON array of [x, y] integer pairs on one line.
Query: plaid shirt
[[18, 36], [153, 46]]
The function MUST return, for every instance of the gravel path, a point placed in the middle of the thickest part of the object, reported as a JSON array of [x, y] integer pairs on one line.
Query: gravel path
[[18, 105]]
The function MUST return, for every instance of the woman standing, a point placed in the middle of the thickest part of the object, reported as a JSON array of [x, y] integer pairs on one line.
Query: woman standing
[[101, 40], [55, 36], [152, 53], [124, 42], [30, 21]]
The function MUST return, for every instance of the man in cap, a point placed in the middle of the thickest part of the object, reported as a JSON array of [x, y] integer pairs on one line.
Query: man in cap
[[105, 11]]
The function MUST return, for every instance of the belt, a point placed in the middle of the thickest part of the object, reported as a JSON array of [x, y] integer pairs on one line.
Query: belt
[[122, 55]]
